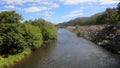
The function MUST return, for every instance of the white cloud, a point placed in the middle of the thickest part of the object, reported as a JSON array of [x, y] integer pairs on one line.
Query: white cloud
[[74, 13], [103, 2], [35, 9], [46, 13], [75, 2], [32, 5], [21, 2], [10, 6], [18, 2], [40, 8], [54, 5]]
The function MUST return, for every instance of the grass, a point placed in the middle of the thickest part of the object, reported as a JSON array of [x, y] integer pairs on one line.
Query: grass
[[12, 59]]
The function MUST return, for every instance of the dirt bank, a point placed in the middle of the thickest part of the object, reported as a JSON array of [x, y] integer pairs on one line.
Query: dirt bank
[[87, 31], [107, 36]]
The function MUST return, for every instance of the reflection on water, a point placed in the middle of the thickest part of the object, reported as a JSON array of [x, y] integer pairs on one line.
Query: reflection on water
[[70, 51]]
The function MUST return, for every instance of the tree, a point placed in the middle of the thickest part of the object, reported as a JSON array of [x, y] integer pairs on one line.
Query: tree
[[49, 31], [16, 37], [111, 16], [118, 8], [10, 17]]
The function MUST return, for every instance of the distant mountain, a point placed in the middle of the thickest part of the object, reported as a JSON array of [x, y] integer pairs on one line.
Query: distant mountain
[[72, 22], [78, 20], [106, 17]]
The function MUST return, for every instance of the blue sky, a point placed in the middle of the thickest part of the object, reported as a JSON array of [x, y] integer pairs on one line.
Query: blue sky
[[56, 11]]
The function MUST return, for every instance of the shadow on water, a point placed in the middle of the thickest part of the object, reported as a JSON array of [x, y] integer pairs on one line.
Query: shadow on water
[[70, 51], [32, 60]]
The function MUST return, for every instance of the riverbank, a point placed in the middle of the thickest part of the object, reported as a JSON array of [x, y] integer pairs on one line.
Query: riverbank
[[18, 39], [12, 59], [80, 53], [106, 36], [88, 31]]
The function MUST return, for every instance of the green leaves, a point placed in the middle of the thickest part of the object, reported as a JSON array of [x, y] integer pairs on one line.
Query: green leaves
[[118, 8], [33, 36], [49, 31], [19, 36], [18, 39], [15, 37], [10, 17]]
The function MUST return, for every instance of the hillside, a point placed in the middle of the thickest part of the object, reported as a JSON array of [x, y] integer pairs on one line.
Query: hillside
[[107, 17]]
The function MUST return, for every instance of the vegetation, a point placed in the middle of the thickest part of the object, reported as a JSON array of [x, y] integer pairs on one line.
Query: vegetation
[[48, 30], [118, 8], [10, 17], [5, 62], [109, 38], [107, 30], [18, 39], [109, 16]]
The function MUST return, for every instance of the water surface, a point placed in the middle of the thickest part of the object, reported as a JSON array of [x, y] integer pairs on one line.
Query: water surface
[[70, 51]]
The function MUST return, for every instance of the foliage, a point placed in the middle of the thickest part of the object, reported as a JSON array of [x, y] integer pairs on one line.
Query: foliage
[[49, 31], [11, 39], [19, 37], [33, 36], [12, 59], [10, 17], [110, 16], [118, 8]]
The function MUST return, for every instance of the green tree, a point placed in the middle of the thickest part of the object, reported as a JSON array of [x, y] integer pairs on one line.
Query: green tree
[[111, 16], [32, 35], [49, 31], [14, 38], [118, 8], [10, 17]]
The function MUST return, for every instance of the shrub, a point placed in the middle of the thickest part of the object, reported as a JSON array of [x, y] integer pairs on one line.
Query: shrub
[[16, 37], [11, 39], [10, 17], [33, 36], [49, 31]]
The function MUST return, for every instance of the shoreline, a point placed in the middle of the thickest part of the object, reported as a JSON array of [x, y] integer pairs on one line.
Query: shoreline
[[106, 36], [13, 59]]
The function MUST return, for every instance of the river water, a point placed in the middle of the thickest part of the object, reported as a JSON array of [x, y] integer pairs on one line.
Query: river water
[[70, 51]]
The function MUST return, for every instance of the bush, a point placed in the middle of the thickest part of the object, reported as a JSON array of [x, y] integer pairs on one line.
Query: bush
[[49, 31], [10, 17], [80, 33], [16, 37], [11, 39], [33, 36]]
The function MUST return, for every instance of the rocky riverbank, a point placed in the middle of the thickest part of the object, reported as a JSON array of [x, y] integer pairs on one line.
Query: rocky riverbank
[[88, 32], [107, 36]]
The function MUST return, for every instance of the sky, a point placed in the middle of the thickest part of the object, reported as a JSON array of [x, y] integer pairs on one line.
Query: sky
[[56, 11]]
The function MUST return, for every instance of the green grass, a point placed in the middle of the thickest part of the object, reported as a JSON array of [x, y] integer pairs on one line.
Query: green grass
[[12, 59]]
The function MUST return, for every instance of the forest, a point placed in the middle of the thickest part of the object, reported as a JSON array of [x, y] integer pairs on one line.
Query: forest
[[18, 39]]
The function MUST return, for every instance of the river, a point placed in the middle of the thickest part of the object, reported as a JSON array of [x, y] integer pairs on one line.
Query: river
[[70, 51]]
